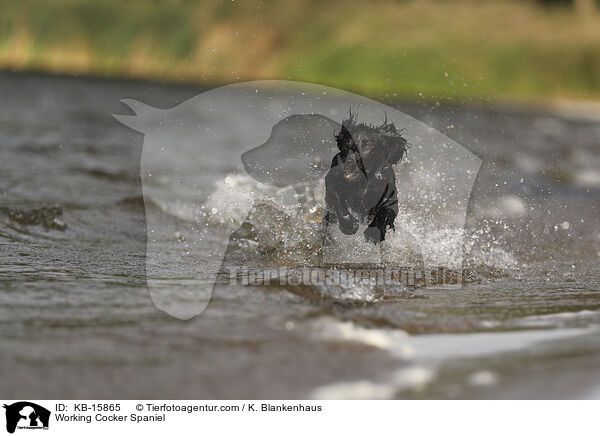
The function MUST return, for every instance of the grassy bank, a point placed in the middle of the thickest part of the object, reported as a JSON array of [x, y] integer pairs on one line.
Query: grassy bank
[[412, 48]]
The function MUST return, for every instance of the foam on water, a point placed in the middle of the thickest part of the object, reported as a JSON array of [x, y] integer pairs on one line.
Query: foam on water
[[558, 319], [235, 194], [409, 378], [421, 355], [431, 347], [301, 208]]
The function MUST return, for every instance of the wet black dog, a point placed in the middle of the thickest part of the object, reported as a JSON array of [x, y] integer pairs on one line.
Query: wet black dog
[[361, 184]]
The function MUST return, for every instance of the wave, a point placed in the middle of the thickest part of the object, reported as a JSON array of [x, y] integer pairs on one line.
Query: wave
[[49, 217], [421, 356]]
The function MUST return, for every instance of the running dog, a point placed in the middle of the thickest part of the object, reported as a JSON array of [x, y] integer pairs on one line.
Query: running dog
[[361, 184]]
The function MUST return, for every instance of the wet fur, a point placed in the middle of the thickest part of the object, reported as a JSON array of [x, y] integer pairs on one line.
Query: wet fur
[[361, 183]]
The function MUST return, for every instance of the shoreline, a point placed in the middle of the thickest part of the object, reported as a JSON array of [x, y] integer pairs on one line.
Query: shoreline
[[564, 107]]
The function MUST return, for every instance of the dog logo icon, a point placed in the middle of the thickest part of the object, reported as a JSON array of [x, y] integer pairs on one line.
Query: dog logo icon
[[26, 415]]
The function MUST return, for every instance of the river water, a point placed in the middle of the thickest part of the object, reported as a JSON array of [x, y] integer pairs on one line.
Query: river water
[[77, 320]]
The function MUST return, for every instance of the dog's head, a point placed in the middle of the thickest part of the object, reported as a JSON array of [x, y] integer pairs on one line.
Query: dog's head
[[369, 148]]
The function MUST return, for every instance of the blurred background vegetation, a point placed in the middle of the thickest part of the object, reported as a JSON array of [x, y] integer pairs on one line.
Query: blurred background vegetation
[[433, 49]]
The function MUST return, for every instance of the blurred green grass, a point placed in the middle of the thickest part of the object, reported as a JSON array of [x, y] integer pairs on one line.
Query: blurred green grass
[[432, 49]]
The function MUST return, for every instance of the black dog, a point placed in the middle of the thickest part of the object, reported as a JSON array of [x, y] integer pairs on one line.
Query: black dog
[[361, 184]]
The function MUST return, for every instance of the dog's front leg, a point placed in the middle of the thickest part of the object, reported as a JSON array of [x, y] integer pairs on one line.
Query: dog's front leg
[[338, 210], [348, 224], [383, 215], [384, 218]]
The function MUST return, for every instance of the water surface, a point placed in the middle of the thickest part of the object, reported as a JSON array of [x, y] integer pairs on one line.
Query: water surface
[[76, 319]]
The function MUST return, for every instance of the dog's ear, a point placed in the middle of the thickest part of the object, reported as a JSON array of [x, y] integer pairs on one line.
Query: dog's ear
[[344, 141], [397, 147]]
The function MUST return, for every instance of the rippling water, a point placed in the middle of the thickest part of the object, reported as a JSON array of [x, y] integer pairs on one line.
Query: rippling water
[[77, 321]]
